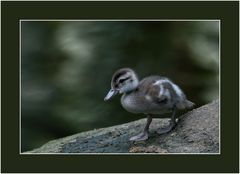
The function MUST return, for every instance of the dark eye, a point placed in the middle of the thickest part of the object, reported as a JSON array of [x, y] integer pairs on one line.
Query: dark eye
[[121, 80]]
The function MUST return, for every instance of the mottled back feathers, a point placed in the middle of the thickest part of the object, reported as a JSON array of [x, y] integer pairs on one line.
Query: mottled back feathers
[[152, 95]]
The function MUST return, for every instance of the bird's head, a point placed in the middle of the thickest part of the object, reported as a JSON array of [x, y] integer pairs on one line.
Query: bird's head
[[123, 80]]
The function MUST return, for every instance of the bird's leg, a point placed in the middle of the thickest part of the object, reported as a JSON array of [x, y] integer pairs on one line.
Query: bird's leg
[[171, 125], [144, 135]]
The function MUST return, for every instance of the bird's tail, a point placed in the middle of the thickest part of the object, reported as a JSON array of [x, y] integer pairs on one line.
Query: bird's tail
[[186, 104]]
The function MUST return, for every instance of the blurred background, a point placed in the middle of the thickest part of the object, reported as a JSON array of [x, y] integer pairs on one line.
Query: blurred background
[[66, 69]]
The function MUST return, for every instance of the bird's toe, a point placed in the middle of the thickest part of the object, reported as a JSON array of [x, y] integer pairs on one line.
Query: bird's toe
[[140, 137]]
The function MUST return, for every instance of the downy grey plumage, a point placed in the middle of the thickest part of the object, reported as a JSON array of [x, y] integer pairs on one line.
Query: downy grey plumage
[[153, 95]]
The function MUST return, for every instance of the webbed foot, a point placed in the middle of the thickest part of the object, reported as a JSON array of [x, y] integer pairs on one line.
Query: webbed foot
[[171, 126], [140, 137], [166, 129]]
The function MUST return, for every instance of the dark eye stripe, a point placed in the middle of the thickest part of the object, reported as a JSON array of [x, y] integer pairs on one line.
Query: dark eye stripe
[[119, 74], [122, 80]]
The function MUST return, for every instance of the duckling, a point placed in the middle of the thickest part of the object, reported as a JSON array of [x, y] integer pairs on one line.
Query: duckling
[[153, 95]]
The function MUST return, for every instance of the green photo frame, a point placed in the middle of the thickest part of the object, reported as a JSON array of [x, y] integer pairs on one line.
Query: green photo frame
[[226, 12]]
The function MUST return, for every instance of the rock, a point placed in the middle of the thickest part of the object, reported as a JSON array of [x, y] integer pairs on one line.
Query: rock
[[148, 149], [197, 131]]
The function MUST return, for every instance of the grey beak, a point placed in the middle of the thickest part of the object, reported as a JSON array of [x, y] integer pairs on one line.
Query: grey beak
[[110, 94]]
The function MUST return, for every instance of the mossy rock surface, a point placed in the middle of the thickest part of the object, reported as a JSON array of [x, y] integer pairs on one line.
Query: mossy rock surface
[[197, 131]]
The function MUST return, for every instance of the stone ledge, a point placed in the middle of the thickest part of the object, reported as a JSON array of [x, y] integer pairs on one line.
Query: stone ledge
[[197, 132]]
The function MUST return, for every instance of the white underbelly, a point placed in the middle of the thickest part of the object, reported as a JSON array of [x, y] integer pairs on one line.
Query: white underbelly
[[131, 106], [136, 106]]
